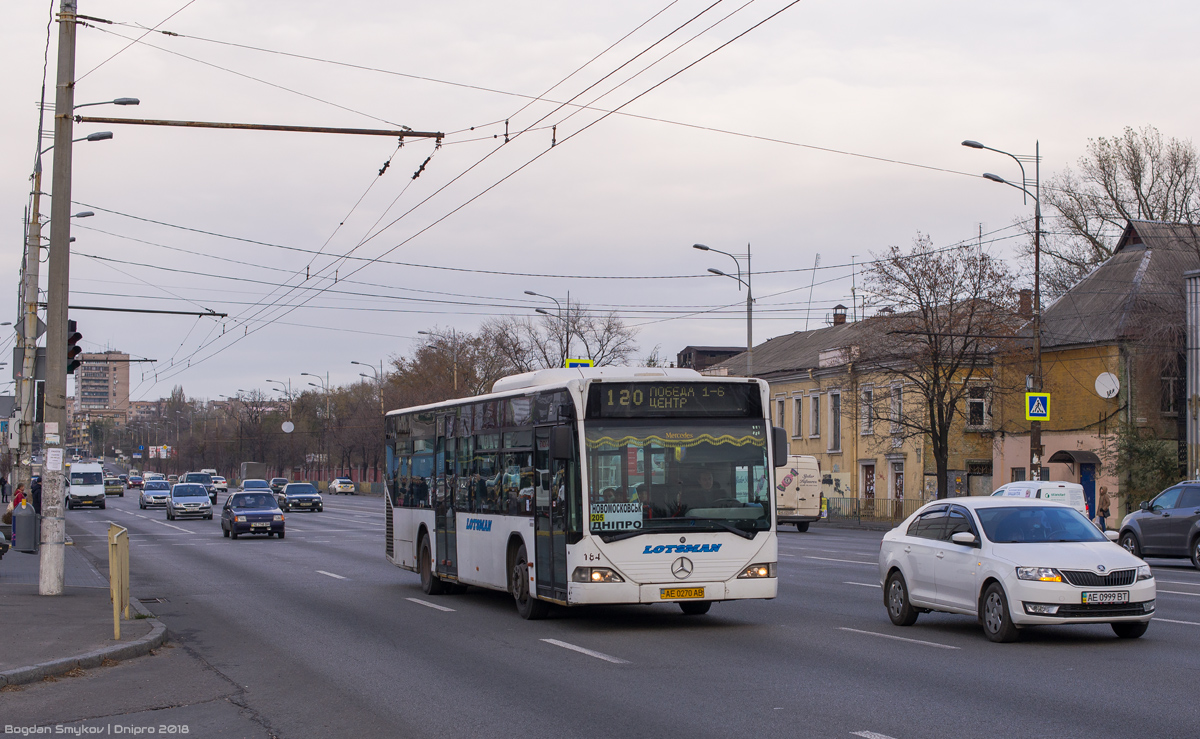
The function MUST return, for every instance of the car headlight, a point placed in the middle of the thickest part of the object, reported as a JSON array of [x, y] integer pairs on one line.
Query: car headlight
[[277, 517], [1144, 573], [595, 574], [1040, 574], [240, 519], [762, 569]]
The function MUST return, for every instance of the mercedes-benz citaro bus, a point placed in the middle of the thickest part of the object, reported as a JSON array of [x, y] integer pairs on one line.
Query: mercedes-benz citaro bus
[[590, 485]]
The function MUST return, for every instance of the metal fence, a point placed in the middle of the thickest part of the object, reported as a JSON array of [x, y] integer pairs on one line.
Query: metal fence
[[873, 510]]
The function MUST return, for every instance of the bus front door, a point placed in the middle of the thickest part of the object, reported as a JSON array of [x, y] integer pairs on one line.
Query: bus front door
[[553, 486], [447, 544]]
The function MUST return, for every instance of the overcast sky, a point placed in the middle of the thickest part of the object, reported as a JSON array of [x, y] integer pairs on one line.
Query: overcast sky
[[627, 197]]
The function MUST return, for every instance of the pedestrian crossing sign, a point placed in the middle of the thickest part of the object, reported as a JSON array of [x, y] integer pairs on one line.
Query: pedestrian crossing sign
[[1037, 406]]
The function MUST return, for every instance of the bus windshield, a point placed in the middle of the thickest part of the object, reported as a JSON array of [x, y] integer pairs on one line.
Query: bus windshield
[[686, 475]]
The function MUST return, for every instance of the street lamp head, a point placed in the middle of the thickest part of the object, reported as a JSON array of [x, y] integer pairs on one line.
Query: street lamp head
[[994, 178], [353, 362], [314, 384], [84, 214], [716, 271], [973, 144], [99, 136], [364, 374], [305, 374], [127, 101], [701, 247], [423, 333], [543, 311], [530, 292]]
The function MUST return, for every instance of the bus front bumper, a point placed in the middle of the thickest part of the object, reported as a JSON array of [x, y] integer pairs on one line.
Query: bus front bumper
[[671, 592]]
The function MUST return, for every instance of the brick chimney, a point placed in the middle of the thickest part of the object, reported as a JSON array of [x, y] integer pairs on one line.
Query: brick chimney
[[1025, 307], [839, 314]]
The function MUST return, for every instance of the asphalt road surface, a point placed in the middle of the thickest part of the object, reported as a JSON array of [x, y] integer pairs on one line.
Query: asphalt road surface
[[317, 635]]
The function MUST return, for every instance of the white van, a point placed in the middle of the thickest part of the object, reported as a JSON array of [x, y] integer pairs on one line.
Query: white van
[[798, 491], [1070, 493], [87, 485]]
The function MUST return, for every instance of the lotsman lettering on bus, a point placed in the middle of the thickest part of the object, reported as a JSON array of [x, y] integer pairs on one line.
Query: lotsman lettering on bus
[[478, 524], [680, 548]]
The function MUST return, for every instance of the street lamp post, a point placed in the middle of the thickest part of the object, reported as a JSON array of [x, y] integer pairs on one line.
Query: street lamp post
[[566, 320], [1035, 427], [325, 421], [453, 351], [749, 298], [287, 390], [377, 375]]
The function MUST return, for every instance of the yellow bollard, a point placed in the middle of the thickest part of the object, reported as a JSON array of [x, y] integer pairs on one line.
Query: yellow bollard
[[118, 575]]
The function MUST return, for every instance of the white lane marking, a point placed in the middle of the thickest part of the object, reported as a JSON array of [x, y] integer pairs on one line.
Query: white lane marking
[[1173, 621], [898, 638], [163, 523], [870, 735], [330, 574], [588, 652], [1177, 582], [863, 584], [781, 554], [1179, 592], [851, 561], [319, 541], [427, 604], [141, 516]]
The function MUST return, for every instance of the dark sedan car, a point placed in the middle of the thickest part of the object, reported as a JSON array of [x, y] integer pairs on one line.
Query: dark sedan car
[[278, 484], [301, 496], [251, 513], [1168, 526]]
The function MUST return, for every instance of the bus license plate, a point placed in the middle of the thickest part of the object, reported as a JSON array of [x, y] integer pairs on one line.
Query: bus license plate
[[680, 593], [1120, 596]]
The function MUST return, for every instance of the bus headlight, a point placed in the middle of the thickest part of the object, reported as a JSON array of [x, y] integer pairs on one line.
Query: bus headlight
[[595, 574], [762, 569]]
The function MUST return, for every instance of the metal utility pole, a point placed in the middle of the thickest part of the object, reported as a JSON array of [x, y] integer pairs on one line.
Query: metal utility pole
[[27, 332], [52, 552]]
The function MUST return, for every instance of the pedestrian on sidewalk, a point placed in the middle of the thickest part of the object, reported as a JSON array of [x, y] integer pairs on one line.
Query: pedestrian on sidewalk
[[35, 495], [3, 489], [1102, 506]]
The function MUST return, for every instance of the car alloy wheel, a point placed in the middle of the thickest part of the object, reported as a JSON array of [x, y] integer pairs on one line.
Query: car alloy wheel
[[1130, 544], [1196, 553]]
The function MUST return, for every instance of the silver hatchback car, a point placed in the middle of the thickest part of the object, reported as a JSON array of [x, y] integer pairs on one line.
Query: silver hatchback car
[[189, 500]]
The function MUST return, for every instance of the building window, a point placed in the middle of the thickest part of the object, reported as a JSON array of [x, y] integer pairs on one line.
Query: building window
[[897, 480], [797, 414], [1169, 395], [1018, 474], [835, 421], [977, 406], [814, 420], [897, 402], [868, 480], [868, 412], [780, 408]]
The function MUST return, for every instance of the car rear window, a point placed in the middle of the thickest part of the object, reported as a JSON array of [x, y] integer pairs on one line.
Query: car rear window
[[248, 484]]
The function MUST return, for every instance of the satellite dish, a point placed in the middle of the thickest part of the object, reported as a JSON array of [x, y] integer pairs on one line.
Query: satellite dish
[[289, 427], [1107, 385]]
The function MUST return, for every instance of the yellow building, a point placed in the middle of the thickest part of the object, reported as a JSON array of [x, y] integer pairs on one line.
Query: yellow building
[[841, 414]]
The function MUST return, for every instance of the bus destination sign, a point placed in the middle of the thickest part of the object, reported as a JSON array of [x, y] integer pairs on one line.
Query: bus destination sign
[[673, 399]]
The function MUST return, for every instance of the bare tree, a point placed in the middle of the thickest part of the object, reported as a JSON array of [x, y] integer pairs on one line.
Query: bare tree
[[544, 342], [1139, 175], [942, 315]]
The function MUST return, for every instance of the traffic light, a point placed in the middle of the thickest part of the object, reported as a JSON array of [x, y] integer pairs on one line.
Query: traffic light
[[73, 348]]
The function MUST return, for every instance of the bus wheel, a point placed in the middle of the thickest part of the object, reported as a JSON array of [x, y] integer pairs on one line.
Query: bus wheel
[[695, 607], [528, 606], [431, 584], [802, 527]]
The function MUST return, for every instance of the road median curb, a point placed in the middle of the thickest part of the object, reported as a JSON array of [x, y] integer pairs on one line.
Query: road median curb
[[116, 652]]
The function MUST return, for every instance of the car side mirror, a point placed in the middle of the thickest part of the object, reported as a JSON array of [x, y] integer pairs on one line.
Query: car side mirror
[[1144, 505], [1112, 535], [779, 443], [562, 443], [966, 538]]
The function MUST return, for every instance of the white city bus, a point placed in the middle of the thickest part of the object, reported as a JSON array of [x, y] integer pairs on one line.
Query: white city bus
[[578, 486]]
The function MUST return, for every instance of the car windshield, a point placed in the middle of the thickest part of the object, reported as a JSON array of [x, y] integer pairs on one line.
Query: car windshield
[[301, 489], [87, 478], [691, 475], [1033, 524], [253, 500], [251, 484], [202, 478], [157, 485], [189, 491], [135, 479]]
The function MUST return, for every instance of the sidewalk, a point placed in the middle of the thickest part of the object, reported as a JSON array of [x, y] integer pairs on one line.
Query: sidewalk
[[49, 635]]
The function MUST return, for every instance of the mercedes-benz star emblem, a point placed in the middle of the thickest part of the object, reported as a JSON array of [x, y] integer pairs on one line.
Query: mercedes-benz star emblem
[[682, 568], [1100, 568]]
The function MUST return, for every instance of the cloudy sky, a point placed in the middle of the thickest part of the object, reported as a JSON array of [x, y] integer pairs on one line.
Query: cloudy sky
[[832, 128]]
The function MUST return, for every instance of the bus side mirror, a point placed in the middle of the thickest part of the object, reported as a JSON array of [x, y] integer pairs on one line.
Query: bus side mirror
[[779, 441], [562, 443]]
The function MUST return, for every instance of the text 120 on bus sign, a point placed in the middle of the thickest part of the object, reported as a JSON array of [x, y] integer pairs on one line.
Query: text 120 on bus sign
[[1037, 406]]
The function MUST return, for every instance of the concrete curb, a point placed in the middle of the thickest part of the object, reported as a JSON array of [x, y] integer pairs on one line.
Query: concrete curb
[[88, 660]]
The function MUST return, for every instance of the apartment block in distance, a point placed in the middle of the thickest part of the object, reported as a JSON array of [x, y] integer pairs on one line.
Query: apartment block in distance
[[102, 386]]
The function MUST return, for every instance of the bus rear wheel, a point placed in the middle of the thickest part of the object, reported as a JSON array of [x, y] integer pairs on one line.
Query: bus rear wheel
[[431, 584], [695, 607], [530, 608]]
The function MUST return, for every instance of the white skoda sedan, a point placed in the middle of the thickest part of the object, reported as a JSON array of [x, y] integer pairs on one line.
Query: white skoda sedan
[[1012, 562]]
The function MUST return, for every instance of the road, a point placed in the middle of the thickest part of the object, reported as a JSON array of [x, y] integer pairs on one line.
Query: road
[[317, 635]]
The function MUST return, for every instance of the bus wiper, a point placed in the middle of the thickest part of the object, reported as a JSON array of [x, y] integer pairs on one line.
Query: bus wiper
[[625, 535], [730, 527]]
